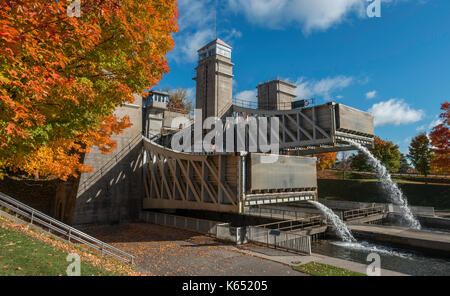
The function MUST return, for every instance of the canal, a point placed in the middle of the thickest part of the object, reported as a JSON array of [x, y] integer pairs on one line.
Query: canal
[[400, 260]]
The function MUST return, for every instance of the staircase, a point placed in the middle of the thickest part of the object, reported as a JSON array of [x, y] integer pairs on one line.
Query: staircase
[[34, 217]]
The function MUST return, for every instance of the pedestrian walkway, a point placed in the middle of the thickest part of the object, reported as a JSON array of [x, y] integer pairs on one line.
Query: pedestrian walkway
[[296, 260]]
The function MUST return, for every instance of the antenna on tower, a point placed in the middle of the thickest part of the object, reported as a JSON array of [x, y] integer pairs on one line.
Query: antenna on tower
[[215, 19]]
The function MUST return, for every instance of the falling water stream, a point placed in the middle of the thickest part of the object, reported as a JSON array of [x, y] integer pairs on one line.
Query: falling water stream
[[348, 242], [338, 225], [394, 193], [349, 248]]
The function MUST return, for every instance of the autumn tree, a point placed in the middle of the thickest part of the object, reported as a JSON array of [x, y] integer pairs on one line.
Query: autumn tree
[[345, 163], [440, 141], [420, 153], [62, 77], [325, 160], [385, 151], [178, 100]]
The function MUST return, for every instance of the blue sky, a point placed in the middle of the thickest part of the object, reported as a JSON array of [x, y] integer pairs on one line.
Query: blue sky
[[397, 66]]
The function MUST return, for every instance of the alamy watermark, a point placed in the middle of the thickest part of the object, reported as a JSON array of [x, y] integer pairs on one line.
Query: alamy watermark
[[238, 134], [374, 8], [74, 268], [374, 268], [74, 9]]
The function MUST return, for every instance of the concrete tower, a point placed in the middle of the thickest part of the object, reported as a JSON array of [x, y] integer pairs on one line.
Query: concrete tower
[[276, 95], [214, 79]]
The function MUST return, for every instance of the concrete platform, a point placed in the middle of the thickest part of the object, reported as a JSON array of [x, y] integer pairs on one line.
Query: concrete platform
[[427, 242], [368, 219]]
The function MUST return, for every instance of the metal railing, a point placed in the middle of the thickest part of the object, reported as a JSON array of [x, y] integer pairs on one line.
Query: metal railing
[[302, 223], [107, 166], [181, 222], [63, 230], [267, 212], [394, 174], [239, 235], [361, 213], [279, 239], [267, 106]]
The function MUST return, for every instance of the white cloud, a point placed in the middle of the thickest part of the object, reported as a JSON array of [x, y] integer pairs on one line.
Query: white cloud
[[371, 94], [191, 94], [324, 87], [396, 112], [434, 123], [308, 88], [309, 14], [430, 126], [187, 50], [195, 14], [232, 34], [247, 95], [420, 128], [196, 29], [407, 140]]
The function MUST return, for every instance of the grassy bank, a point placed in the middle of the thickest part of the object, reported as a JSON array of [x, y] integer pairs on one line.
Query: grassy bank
[[25, 252], [319, 269], [369, 190]]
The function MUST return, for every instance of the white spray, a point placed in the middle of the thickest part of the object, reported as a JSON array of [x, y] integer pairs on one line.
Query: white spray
[[394, 193], [339, 226]]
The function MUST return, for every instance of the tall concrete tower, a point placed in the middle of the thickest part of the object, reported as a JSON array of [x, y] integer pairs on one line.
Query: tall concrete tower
[[276, 95], [214, 78]]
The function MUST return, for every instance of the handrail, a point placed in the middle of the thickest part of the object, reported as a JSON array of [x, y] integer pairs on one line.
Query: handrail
[[267, 106], [301, 220], [364, 212], [113, 160], [71, 233], [397, 174]]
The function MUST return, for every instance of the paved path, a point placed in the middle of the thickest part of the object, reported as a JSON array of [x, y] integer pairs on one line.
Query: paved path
[[163, 250], [442, 213], [293, 259]]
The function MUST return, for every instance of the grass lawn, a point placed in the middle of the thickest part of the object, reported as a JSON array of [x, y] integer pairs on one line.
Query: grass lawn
[[319, 269], [25, 252]]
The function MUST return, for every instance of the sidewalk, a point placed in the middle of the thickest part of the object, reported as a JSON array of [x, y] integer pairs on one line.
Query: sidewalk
[[296, 260]]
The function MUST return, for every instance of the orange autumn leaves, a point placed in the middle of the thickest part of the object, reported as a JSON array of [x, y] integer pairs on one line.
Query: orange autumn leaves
[[440, 140], [61, 78], [325, 160]]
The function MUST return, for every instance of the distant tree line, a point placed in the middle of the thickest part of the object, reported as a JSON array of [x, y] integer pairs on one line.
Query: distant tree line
[[427, 154]]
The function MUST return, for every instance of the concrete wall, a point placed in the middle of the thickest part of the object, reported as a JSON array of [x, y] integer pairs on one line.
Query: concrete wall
[[425, 221], [276, 95], [169, 116], [153, 121], [51, 197], [113, 192], [214, 85], [350, 205], [424, 195]]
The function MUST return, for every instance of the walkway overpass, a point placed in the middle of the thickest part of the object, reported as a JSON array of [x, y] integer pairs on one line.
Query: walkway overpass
[[317, 129], [224, 182], [230, 182]]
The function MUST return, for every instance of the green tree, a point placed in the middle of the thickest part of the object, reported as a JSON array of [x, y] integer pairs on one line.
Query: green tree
[[404, 164], [359, 162], [385, 151], [420, 153]]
